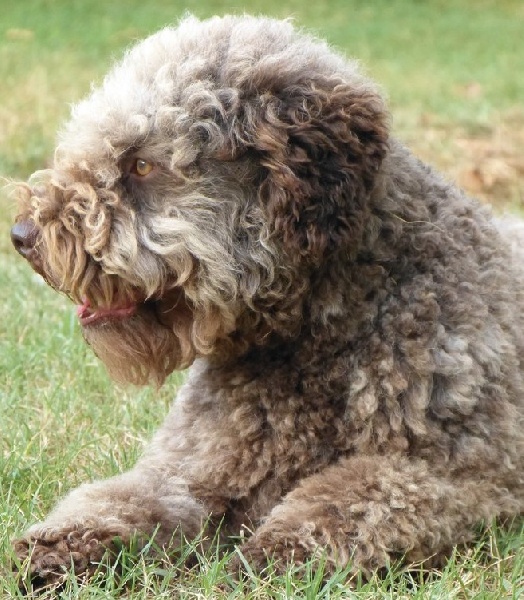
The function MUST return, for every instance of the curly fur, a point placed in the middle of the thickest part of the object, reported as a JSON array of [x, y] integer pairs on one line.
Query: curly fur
[[354, 322]]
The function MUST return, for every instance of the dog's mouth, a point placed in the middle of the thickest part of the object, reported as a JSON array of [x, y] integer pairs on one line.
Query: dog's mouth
[[166, 308], [87, 315]]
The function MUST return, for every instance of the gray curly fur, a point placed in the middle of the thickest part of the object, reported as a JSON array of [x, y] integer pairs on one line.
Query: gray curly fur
[[354, 322]]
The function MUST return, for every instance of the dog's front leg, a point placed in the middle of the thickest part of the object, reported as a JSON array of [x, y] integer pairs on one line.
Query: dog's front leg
[[366, 511], [96, 520]]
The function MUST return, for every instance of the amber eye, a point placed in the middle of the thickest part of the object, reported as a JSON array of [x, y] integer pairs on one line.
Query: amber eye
[[141, 167]]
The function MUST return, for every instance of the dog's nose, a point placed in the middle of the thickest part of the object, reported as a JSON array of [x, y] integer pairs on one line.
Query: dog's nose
[[23, 236]]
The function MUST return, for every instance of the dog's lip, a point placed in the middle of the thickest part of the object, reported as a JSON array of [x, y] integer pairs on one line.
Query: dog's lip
[[89, 316]]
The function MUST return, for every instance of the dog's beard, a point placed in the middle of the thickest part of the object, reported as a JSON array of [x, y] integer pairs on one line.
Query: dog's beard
[[140, 349]]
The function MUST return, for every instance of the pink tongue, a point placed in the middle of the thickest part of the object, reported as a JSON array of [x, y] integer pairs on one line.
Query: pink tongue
[[82, 309]]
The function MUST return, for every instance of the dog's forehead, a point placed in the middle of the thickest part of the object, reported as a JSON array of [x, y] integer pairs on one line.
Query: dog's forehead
[[174, 69]]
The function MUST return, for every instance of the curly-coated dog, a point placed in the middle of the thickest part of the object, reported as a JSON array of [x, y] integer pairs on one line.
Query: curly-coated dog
[[231, 199]]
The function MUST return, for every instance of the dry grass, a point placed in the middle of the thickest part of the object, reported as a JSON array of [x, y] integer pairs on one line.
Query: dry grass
[[487, 160]]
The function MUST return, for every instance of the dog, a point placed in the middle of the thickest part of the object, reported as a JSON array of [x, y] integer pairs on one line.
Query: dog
[[230, 200]]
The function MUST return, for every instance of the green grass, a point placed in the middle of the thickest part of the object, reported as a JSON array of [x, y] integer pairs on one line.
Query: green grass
[[453, 75]]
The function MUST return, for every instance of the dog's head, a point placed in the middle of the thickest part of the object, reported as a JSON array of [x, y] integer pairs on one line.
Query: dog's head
[[194, 194]]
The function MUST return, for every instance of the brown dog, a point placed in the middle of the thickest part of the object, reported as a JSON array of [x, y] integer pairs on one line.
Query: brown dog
[[230, 198]]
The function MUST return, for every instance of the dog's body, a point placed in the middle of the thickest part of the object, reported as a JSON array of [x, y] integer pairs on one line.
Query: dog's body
[[231, 199]]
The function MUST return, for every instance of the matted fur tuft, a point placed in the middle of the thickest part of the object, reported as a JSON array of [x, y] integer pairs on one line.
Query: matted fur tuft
[[353, 323]]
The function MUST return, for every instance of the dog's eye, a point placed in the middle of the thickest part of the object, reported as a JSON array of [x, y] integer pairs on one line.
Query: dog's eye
[[141, 167]]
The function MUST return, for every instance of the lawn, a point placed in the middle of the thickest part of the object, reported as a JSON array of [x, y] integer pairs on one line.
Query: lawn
[[453, 74]]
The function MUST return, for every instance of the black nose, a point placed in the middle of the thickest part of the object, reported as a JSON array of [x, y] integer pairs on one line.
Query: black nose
[[23, 236]]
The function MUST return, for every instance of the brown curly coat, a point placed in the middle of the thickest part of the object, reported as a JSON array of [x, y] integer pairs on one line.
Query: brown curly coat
[[353, 322]]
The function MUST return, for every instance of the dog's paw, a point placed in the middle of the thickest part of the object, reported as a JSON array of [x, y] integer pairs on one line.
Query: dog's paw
[[270, 551], [47, 555]]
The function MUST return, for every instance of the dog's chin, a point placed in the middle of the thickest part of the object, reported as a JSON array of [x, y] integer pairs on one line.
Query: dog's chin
[[134, 344]]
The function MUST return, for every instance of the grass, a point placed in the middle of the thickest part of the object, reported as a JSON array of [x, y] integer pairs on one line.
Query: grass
[[450, 72]]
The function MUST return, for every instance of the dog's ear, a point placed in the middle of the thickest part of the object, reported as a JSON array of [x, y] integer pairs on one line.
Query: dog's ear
[[321, 148]]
